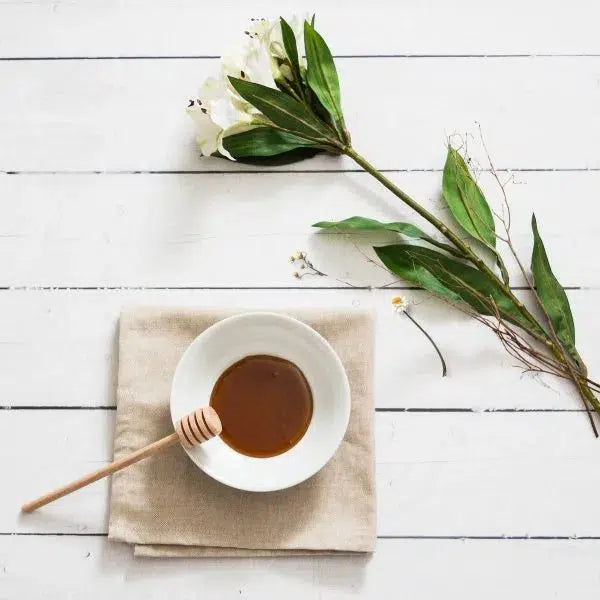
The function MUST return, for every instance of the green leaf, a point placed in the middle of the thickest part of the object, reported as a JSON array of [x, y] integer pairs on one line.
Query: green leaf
[[502, 267], [451, 279], [468, 205], [263, 141], [465, 200], [406, 229], [282, 110], [291, 48], [322, 77], [551, 294]]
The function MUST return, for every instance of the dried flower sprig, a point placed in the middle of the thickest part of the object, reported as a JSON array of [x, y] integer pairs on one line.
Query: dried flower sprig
[[305, 267], [279, 92], [400, 304], [300, 260]]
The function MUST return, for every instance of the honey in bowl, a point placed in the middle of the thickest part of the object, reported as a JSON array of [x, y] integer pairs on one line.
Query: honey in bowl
[[265, 405]]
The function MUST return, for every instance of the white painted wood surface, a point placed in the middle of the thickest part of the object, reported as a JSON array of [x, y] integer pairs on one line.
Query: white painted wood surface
[[525, 473], [69, 337], [486, 480], [492, 569], [238, 230], [182, 27], [128, 115]]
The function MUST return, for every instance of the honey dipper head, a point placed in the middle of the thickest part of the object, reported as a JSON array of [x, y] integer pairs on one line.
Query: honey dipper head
[[198, 427]]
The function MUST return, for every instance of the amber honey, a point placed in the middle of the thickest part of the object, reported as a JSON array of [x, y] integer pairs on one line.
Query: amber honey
[[265, 404]]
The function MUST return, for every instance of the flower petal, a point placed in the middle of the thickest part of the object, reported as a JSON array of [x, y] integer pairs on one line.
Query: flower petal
[[208, 131], [226, 115], [222, 148]]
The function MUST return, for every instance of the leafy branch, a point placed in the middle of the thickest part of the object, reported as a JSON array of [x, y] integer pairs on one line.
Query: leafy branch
[[301, 111]]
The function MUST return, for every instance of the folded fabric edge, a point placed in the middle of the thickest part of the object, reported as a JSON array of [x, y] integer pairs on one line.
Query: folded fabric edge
[[132, 313], [173, 551]]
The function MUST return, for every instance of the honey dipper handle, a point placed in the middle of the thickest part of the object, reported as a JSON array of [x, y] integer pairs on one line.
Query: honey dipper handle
[[117, 465]]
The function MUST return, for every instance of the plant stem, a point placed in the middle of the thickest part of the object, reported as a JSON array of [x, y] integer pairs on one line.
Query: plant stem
[[369, 168], [536, 330], [432, 342]]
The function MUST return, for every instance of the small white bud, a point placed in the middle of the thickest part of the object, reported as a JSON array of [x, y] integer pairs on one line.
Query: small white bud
[[400, 304], [286, 72]]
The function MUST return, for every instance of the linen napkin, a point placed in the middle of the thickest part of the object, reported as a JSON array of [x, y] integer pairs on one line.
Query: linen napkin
[[166, 506]]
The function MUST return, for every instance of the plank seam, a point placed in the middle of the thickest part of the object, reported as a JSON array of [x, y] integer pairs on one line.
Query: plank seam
[[477, 410], [379, 537], [377, 410], [103, 288], [488, 537], [337, 56], [288, 171], [58, 407]]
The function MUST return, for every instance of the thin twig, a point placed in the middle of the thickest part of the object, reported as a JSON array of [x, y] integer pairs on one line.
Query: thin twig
[[444, 368], [576, 374]]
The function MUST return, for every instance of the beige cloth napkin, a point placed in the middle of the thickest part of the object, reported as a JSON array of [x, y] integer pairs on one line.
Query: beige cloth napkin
[[166, 506]]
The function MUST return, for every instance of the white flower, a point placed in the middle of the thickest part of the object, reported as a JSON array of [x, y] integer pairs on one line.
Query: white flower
[[277, 49], [219, 110], [214, 113], [251, 59], [400, 304]]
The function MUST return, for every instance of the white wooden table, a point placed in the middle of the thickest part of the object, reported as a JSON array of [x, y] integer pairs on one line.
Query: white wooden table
[[487, 481]]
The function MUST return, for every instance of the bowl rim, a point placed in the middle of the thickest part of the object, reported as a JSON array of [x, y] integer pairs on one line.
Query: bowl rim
[[345, 394]]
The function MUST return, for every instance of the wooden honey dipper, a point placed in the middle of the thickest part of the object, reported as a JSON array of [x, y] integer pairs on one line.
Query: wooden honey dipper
[[191, 430]]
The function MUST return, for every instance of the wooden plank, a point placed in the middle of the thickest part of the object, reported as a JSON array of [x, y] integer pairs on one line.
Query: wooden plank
[[438, 474], [96, 568], [97, 28], [68, 339], [129, 114], [238, 230]]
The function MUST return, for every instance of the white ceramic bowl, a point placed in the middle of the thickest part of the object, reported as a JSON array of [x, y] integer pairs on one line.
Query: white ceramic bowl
[[230, 340]]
